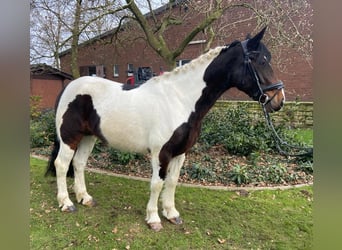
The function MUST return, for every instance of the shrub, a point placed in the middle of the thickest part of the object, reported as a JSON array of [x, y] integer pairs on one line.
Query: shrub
[[42, 129], [120, 157], [197, 172], [274, 172], [304, 163], [306, 167], [234, 128], [238, 132], [239, 175], [115, 156], [35, 106]]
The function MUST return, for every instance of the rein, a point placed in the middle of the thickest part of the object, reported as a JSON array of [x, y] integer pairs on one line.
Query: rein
[[308, 151], [264, 99]]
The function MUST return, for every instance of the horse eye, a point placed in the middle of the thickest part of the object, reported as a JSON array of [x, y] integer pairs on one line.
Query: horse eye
[[263, 62]]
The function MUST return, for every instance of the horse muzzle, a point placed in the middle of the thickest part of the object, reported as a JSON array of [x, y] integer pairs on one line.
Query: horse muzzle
[[272, 97]]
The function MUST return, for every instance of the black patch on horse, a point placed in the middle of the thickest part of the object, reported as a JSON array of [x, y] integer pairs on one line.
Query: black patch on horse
[[186, 135], [80, 119]]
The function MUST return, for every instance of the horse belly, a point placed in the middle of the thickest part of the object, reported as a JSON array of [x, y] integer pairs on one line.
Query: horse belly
[[127, 144], [126, 138]]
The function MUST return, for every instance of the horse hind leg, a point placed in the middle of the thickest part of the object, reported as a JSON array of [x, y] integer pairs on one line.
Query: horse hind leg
[[168, 196], [79, 162], [62, 163], [152, 217]]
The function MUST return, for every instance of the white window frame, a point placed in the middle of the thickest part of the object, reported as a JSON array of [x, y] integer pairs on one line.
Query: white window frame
[[116, 70], [182, 62], [130, 67]]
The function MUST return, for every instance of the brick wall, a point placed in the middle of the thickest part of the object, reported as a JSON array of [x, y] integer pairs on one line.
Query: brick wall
[[48, 90]]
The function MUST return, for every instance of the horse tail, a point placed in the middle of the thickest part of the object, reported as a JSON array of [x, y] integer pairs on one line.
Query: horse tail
[[51, 170]]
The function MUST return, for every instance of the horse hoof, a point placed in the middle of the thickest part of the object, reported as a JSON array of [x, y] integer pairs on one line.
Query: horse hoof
[[156, 226], [176, 220], [69, 209], [91, 203]]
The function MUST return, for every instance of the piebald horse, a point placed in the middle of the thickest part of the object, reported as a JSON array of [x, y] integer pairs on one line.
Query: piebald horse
[[161, 117]]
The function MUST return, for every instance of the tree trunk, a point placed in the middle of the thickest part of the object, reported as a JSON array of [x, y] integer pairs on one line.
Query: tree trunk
[[156, 39], [75, 71]]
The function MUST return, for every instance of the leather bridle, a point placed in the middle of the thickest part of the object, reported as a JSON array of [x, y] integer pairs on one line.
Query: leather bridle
[[260, 95]]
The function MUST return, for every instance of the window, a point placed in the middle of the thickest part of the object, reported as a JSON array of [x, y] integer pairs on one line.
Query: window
[[130, 69], [116, 70], [182, 62], [100, 71], [88, 70], [92, 70]]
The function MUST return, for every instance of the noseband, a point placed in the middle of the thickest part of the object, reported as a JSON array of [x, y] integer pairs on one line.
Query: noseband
[[260, 95]]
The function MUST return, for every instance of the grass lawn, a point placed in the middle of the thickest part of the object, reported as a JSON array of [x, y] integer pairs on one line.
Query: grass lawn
[[303, 135], [280, 219]]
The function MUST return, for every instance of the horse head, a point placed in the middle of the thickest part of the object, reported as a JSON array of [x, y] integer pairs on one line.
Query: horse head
[[258, 80], [247, 67]]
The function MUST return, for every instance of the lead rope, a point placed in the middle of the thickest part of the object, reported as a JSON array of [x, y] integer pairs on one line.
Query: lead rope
[[308, 151]]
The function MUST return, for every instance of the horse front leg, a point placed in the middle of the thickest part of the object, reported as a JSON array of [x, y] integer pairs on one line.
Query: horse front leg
[[152, 217], [168, 195]]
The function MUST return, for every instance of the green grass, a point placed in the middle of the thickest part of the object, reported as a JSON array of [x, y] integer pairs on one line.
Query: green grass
[[303, 135], [212, 219]]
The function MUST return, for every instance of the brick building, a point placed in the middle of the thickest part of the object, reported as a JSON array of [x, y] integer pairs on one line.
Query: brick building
[[111, 55]]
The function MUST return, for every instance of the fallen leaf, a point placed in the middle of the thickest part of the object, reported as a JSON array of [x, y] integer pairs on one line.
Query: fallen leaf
[[242, 192], [115, 230], [221, 241]]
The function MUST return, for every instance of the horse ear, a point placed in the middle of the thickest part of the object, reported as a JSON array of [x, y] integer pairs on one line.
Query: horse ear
[[253, 43]]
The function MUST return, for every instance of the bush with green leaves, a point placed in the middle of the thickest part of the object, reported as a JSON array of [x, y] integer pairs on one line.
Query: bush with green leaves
[[122, 158], [306, 167], [42, 129], [238, 132], [116, 156], [273, 173], [35, 110], [239, 175], [198, 172]]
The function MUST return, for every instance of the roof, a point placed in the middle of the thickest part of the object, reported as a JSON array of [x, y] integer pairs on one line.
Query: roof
[[44, 69]]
